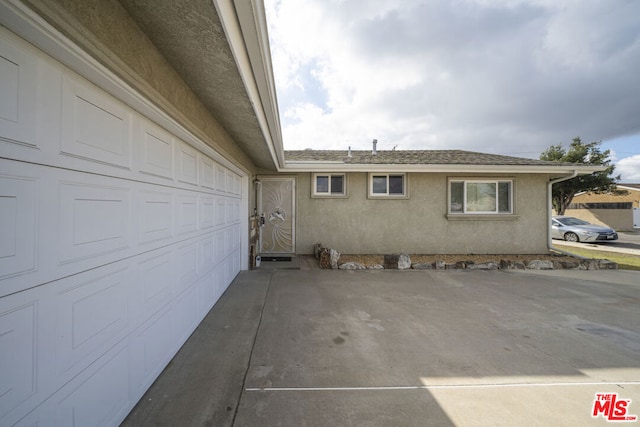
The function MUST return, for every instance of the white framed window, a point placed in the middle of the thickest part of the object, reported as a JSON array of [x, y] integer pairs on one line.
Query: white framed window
[[388, 185], [481, 196], [329, 185]]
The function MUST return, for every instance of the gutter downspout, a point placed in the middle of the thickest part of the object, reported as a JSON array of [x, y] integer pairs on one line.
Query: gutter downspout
[[550, 207]]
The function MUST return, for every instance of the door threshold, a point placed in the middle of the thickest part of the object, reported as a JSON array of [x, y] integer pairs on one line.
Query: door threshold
[[290, 262]]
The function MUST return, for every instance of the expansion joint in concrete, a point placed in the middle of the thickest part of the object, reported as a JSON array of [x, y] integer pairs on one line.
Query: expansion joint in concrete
[[253, 345]]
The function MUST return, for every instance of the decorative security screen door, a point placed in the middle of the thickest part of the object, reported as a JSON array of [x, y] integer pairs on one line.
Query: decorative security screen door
[[277, 204]]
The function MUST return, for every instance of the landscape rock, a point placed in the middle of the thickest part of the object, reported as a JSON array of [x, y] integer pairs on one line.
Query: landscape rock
[[422, 266], [330, 259], [598, 264], [567, 265], [352, 266], [391, 262], [537, 264], [605, 264], [517, 265], [484, 266], [404, 262], [334, 256]]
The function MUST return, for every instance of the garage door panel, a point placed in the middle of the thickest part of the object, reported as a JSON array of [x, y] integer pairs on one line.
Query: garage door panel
[[95, 127], [205, 255], [234, 183], [97, 397], [153, 345], [94, 220], [116, 238], [187, 162], [18, 333], [93, 316], [221, 178], [207, 211], [207, 171], [156, 210], [186, 314], [186, 265], [59, 222], [18, 83], [154, 281], [220, 211], [205, 289], [156, 151], [187, 214], [18, 218]]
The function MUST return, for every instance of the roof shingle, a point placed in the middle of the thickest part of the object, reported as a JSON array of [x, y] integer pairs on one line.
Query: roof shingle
[[411, 157]]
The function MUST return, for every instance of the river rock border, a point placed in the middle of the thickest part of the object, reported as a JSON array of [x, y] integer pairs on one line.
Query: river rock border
[[330, 259]]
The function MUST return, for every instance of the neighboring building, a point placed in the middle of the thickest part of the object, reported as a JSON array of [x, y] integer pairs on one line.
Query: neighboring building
[[620, 212], [137, 139]]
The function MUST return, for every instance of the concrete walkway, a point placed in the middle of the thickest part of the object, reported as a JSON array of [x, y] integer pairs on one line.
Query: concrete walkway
[[324, 347]]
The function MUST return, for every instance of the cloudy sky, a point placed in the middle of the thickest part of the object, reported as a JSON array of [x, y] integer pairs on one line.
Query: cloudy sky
[[499, 76]]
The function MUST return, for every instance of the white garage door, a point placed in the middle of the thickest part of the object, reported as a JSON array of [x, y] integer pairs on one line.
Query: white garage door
[[116, 238]]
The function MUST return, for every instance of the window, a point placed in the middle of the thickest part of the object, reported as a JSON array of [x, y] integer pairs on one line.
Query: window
[[387, 185], [329, 184], [481, 196]]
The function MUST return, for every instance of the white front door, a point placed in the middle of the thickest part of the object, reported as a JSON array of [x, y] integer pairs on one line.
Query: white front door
[[277, 207]]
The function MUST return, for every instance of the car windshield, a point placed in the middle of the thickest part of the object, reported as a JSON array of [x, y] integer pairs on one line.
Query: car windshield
[[571, 221]]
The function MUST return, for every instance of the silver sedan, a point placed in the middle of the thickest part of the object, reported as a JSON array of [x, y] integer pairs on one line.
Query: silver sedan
[[576, 230]]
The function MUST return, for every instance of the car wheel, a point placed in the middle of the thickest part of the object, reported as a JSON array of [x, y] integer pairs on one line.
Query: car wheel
[[571, 237]]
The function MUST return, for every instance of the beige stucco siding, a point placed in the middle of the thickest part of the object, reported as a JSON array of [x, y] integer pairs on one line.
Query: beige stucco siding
[[418, 224], [632, 196], [618, 219]]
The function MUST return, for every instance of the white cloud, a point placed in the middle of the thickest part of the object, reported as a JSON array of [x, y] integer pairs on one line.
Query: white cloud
[[629, 169], [511, 77]]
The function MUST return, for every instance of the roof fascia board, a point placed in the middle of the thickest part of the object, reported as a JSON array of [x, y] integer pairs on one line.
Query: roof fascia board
[[626, 187], [244, 24], [31, 27], [511, 169]]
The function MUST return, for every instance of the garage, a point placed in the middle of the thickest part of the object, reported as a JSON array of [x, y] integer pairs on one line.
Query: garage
[[119, 230]]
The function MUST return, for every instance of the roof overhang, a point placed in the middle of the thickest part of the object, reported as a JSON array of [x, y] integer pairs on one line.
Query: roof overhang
[[220, 48], [553, 171], [245, 25]]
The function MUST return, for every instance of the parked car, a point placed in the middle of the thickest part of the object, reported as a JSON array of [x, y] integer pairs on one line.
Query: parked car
[[576, 230]]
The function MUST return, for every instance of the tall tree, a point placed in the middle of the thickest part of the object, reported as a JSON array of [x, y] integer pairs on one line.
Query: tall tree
[[586, 154]]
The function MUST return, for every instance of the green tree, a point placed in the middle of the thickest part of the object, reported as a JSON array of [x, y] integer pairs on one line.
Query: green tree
[[586, 154]]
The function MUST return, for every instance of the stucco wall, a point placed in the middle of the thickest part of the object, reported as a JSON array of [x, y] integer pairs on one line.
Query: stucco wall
[[618, 219], [105, 30], [418, 224], [632, 196]]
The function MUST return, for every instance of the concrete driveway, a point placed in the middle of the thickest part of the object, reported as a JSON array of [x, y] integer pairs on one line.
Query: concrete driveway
[[315, 347]]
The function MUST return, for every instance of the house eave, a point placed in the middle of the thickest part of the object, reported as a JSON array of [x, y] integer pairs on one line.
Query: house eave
[[245, 25], [324, 166]]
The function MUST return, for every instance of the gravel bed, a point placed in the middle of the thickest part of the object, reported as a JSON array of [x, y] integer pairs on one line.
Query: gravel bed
[[369, 260]]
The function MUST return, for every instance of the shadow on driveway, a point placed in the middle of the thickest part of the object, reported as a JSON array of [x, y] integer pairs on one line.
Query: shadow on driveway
[[323, 347]]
